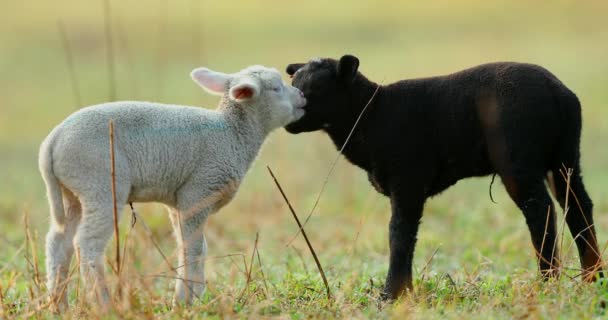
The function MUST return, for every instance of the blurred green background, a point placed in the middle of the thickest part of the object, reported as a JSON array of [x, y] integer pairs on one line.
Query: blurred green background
[[157, 43]]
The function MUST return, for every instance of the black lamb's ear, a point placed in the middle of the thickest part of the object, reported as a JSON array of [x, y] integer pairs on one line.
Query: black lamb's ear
[[347, 67], [292, 68]]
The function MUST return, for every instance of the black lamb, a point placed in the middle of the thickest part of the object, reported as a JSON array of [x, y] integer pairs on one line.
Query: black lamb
[[418, 137]]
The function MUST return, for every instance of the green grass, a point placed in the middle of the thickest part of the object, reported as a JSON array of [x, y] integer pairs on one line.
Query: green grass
[[474, 258]]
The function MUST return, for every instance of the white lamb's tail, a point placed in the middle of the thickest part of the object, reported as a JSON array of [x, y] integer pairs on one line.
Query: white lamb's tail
[[53, 189]]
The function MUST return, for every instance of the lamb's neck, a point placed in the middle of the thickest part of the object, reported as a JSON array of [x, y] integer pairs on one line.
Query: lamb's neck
[[247, 129], [356, 149]]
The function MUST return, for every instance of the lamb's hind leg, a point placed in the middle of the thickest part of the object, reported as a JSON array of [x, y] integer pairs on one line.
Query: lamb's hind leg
[[93, 234], [580, 221], [59, 251], [531, 196]]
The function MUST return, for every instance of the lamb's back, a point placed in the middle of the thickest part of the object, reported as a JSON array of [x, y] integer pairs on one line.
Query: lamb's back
[[155, 144]]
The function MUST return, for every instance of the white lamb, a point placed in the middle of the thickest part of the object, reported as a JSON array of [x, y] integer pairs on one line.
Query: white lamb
[[191, 159]]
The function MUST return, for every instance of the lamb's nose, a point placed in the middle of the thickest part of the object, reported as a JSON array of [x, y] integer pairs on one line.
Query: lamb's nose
[[301, 93]]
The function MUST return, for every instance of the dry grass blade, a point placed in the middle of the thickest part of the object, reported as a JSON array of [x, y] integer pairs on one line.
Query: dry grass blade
[[566, 173], [295, 216], [31, 252], [70, 63], [566, 210], [123, 42], [249, 269], [162, 59], [128, 284], [255, 248], [150, 235], [542, 244], [10, 262], [125, 245], [197, 30], [262, 273], [109, 50], [428, 262], [578, 203], [2, 312], [114, 205], [333, 164]]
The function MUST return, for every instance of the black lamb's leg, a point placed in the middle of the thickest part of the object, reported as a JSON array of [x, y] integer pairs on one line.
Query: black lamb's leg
[[403, 228], [580, 221], [531, 196]]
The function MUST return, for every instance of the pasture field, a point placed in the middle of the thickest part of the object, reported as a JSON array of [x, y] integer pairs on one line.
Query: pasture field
[[474, 258]]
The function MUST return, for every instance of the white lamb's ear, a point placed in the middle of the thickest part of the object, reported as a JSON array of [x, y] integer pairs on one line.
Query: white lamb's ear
[[244, 90], [212, 81]]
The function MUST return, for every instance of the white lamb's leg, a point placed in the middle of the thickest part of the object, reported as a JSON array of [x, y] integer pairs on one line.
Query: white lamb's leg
[[192, 249], [59, 251], [94, 232]]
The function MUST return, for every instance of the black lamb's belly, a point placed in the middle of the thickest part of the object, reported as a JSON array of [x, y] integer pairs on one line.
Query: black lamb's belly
[[375, 181]]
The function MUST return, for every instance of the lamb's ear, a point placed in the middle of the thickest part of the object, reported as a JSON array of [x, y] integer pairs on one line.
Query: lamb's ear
[[292, 68], [347, 67], [213, 82], [244, 90]]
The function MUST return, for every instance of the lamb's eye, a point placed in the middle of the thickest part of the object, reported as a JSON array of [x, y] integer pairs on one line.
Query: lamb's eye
[[277, 89]]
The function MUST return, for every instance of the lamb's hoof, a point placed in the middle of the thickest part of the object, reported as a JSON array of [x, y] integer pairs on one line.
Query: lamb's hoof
[[55, 309], [594, 276], [386, 296], [57, 306], [601, 281]]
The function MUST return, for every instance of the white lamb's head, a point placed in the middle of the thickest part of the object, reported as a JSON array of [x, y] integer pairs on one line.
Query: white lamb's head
[[259, 88]]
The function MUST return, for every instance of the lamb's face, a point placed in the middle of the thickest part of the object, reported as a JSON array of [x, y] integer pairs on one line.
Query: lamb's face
[[325, 84], [259, 90], [277, 102]]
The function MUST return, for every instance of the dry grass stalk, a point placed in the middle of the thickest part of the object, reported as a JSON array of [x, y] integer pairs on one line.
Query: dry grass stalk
[[428, 262], [333, 164], [566, 173], [566, 209], [114, 204], [542, 244], [70, 63], [109, 50], [162, 47], [295, 216], [267, 294], [31, 255], [126, 298], [255, 248], [249, 269], [299, 254], [148, 232], [196, 30], [2, 308], [10, 261], [123, 42], [569, 188]]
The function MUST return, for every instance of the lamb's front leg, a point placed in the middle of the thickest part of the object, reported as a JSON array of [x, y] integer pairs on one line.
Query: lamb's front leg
[[407, 208], [192, 249]]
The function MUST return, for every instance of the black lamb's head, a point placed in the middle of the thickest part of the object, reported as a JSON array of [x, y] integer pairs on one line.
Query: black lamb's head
[[326, 84]]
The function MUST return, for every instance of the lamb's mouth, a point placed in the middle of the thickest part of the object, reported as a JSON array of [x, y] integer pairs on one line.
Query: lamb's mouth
[[298, 113], [298, 108], [292, 127]]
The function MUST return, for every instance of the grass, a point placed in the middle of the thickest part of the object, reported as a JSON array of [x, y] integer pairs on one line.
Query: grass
[[474, 258]]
